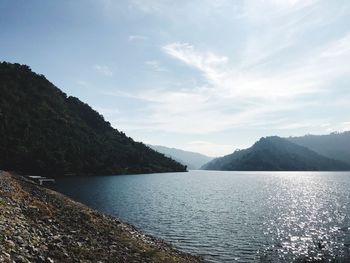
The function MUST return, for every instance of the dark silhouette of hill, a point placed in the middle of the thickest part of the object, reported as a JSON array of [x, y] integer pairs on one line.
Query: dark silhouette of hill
[[192, 160], [275, 154], [44, 131], [334, 145]]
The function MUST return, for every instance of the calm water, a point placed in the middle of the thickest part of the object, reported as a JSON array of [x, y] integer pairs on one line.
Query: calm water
[[231, 216]]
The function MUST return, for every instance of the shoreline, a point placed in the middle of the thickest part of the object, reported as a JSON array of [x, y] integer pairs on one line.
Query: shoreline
[[41, 225]]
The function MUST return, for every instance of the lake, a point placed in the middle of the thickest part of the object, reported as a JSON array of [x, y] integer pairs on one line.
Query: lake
[[231, 216]]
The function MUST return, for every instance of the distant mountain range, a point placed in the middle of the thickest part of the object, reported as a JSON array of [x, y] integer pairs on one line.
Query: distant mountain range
[[192, 160], [44, 131], [334, 145], [278, 154]]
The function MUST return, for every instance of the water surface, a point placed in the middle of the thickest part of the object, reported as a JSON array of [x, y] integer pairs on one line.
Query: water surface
[[231, 216]]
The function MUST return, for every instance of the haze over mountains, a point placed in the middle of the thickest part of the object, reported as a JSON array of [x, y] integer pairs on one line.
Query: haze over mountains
[[276, 154], [192, 160], [334, 145], [44, 131]]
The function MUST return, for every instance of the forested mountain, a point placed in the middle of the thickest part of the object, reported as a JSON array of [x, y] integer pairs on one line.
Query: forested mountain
[[42, 131], [275, 154], [192, 160], [334, 145]]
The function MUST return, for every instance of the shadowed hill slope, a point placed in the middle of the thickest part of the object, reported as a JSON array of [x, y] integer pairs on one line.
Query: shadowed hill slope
[[334, 145], [44, 131], [275, 154]]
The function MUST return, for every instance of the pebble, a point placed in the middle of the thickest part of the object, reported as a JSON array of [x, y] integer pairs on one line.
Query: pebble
[[39, 225]]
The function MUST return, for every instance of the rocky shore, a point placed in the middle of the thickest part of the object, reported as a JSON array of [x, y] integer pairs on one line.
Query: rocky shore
[[41, 225]]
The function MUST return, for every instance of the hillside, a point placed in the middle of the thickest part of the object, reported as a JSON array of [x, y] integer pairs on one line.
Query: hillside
[[334, 145], [192, 160], [42, 130], [275, 154]]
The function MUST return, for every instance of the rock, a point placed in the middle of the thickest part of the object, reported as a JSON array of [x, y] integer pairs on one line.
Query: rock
[[42, 226], [10, 244]]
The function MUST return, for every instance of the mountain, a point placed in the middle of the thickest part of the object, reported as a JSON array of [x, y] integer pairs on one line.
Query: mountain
[[192, 160], [275, 154], [334, 145], [44, 131]]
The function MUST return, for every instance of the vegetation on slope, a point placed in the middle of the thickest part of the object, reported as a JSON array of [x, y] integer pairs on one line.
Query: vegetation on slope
[[334, 145], [275, 154], [44, 131]]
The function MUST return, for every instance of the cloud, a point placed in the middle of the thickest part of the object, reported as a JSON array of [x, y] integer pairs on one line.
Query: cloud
[[264, 64], [339, 47], [287, 3], [236, 82], [207, 62], [197, 112], [233, 96], [345, 126], [304, 125], [103, 69], [340, 127], [155, 65], [264, 10]]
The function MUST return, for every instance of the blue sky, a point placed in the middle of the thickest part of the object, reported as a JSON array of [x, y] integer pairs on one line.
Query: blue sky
[[202, 75]]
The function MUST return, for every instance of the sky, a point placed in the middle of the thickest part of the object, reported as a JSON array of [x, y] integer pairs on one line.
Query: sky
[[209, 76]]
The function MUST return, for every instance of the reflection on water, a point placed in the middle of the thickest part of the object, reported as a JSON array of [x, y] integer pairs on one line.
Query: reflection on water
[[231, 216], [307, 219]]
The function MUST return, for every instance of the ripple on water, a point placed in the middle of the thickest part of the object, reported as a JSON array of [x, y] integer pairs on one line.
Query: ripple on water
[[232, 216]]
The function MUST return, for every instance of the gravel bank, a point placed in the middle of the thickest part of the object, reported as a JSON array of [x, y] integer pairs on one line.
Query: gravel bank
[[41, 225]]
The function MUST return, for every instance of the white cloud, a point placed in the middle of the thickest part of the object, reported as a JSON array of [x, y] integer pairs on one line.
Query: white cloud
[[207, 62], [264, 10], [345, 126], [103, 69], [340, 47], [235, 82], [262, 64], [233, 97], [340, 127], [288, 3], [303, 125]]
